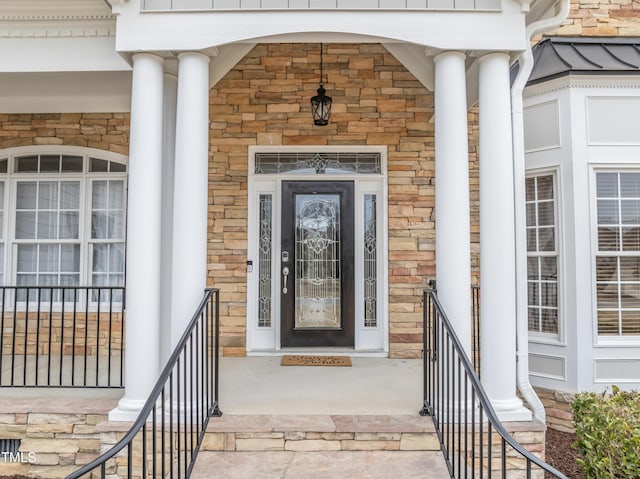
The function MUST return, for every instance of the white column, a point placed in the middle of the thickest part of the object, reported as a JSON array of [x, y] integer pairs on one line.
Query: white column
[[143, 236], [168, 168], [189, 268], [497, 240], [453, 263]]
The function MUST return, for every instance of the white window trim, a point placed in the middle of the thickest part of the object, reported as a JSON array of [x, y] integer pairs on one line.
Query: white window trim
[[558, 339], [271, 184], [620, 341], [11, 179]]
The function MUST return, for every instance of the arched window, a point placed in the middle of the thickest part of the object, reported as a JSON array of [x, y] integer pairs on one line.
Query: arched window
[[62, 217]]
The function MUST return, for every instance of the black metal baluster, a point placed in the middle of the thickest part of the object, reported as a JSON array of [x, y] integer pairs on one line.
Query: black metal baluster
[[15, 328], [38, 326], [50, 337], [110, 339], [98, 338], [86, 336], [2, 330], [62, 312], [26, 338], [73, 337]]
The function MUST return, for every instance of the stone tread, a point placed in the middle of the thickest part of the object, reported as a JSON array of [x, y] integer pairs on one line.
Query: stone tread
[[321, 423]]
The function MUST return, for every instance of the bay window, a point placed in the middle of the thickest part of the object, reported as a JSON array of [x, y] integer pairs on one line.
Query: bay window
[[542, 255], [617, 258]]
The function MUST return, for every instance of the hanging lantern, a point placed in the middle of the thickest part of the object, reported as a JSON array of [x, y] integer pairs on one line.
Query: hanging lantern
[[321, 103]]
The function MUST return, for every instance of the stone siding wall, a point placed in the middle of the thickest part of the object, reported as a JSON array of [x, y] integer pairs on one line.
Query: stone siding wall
[[557, 405], [602, 18], [104, 131], [53, 443], [264, 100]]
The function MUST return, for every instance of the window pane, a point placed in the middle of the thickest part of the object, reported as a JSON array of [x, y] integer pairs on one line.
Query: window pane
[[70, 258], [549, 320], [532, 268], [27, 164], [3, 165], [69, 225], [27, 258], [116, 226], [69, 280], [116, 194], [70, 195], [630, 239], [72, 164], [630, 295], [49, 258], [47, 225], [549, 294], [117, 167], [116, 258], [50, 163], [607, 268], [26, 195], [531, 240], [608, 322], [531, 214], [607, 295], [533, 293], [630, 185], [534, 319], [100, 199], [99, 165], [545, 188], [26, 280], [549, 267], [608, 212], [630, 212], [608, 239], [607, 185], [48, 195], [100, 258], [546, 236], [631, 322], [98, 225], [25, 224], [531, 189], [545, 213]]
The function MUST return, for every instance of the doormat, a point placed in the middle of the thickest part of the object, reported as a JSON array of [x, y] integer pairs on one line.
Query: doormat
[[305, 360]]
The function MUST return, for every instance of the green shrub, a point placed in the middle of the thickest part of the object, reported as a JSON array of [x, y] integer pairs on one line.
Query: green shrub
[[608, 434]]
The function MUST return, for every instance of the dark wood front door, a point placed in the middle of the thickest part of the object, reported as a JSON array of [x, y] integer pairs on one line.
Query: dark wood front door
[[316, 265]]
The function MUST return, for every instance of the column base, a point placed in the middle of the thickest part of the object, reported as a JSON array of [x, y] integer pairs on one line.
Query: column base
[[511, 410], [127, 410]]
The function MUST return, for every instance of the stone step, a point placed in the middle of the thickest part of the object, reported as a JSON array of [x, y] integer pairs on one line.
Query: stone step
[[313, 433]]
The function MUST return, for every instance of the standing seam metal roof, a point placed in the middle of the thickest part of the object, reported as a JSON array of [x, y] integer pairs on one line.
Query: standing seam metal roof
[[560, 56]]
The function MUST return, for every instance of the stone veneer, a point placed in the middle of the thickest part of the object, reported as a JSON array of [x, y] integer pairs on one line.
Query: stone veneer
[[264, 100], [61, 434], [104, 131], [602, 18], [557, 405]]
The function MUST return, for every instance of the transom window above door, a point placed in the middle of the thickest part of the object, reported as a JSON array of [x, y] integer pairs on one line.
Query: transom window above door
[[62, 218]]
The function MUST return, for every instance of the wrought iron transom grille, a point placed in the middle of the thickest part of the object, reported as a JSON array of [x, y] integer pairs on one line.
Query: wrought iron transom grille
[[318, 163]]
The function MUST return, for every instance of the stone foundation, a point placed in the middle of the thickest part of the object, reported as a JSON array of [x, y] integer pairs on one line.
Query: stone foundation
[[53, 443], [557, 405]]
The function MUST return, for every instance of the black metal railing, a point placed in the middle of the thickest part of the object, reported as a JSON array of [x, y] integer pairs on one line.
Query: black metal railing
[[165, 438], [473, 441], [62, 336], [475, 328]]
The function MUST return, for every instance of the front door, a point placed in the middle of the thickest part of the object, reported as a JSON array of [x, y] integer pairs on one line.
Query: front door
[[317, 264]]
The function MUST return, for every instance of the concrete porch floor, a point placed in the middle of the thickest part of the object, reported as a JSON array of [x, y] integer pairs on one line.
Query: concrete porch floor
[[372, 386]]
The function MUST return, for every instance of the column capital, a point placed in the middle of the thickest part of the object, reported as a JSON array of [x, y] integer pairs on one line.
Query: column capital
[[494, 55], [193, 54], [149, 55], [449, 54]]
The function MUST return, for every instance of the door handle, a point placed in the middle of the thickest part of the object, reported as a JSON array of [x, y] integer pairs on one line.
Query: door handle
[[285, 278]]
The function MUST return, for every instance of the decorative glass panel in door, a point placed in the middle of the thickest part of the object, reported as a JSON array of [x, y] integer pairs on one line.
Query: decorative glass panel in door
[[317, 264]]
